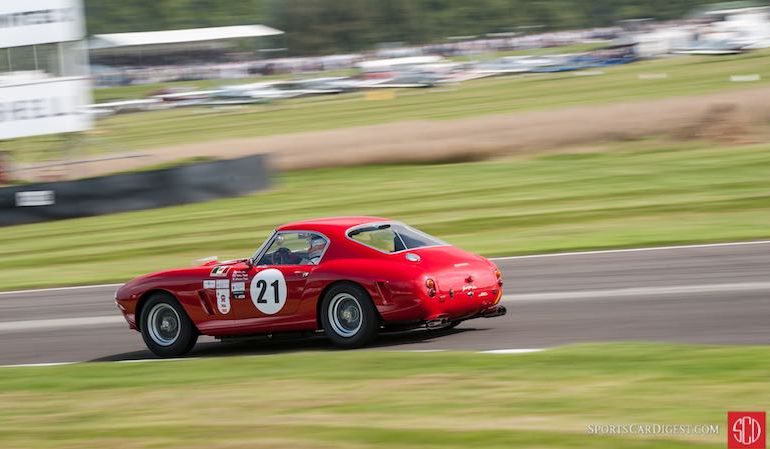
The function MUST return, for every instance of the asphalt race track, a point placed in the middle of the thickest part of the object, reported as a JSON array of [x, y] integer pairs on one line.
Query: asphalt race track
[[716, 294]]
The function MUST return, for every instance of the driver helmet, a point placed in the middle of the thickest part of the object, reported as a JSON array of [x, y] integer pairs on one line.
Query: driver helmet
[[317, 245]]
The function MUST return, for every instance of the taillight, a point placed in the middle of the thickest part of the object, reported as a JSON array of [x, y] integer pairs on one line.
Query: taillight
[[499, 276], [430, 284]]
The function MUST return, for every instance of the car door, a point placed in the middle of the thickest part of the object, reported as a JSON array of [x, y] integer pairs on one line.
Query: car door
[[276, 284], [275, 290]]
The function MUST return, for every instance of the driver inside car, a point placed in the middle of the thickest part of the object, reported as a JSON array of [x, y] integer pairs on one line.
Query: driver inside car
[[284, 256], [315, 250]]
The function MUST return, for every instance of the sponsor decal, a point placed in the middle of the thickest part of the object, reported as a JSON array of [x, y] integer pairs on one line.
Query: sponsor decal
[[43, 107], [223, 283], [268, 291], [223, 300], [209, 283], [35, 198], [240, 275], [40, 22], [746, 430], [39, 17], [220, 271], [238, 289]]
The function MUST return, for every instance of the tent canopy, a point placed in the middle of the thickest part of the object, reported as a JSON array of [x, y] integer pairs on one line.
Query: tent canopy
[[194, 38]]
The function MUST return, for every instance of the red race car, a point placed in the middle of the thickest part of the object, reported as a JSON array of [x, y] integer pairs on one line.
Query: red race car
[[348, 276]]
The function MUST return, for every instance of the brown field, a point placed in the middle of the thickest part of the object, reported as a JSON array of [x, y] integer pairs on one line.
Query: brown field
[[733, 117]]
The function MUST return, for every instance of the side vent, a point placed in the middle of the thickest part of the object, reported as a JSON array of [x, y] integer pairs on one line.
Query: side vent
[[205, 303]]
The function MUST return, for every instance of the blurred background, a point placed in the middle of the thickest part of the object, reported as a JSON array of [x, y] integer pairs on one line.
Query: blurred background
[[637, 111], [217, 70], [144, 135]]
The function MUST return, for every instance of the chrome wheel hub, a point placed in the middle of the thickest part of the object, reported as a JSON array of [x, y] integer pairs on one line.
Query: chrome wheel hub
[[345, 315], [163, 324]]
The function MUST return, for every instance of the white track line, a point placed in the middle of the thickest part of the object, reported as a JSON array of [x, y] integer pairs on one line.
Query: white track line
[[27, 325], [179, 359], [633, 250], [35, 365], [638, 291], [60, 289], [412, 351], [529, 256], [419, 351], [15, 326], [512, 351]]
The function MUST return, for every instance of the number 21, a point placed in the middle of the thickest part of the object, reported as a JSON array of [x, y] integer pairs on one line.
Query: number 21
[[262, 286]]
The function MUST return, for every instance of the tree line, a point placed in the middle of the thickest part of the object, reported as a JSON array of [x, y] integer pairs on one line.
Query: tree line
[[336, 26]]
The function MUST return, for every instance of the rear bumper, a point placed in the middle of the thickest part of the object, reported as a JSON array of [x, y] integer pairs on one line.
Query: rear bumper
[[493, 311], [444, 320], [417, 308]]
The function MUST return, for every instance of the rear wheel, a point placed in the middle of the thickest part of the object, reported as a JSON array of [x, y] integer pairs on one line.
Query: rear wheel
[[348, 316], [166, 329]]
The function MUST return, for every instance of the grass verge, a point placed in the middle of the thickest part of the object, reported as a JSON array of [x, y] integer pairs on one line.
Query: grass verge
[[636, 194], [373, 399]]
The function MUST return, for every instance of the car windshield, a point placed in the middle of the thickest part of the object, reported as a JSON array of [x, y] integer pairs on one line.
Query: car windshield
[[392, 237], [295, 248], [262, 246]]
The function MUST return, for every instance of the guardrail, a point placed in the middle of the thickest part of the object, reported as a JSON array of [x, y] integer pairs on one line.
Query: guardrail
[[125, 192]]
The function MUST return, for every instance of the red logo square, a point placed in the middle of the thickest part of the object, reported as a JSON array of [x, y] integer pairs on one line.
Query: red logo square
[[746, 430]]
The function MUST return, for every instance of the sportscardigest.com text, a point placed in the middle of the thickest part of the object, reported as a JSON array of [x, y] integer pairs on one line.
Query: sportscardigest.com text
[[652, 429]]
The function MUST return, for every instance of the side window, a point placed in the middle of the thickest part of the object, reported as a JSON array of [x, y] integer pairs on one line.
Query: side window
[[392, 237], [412, 238], [383, 239], [295, 248]]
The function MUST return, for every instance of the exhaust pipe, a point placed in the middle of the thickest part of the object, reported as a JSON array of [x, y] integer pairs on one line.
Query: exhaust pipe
[[437, 323], [494, 311]]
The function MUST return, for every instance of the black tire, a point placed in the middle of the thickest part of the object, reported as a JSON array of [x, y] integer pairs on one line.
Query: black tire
[[348, 316], [166, 329]]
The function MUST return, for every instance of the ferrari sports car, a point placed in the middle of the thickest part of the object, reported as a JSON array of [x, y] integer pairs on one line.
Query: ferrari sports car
[[347, 277]]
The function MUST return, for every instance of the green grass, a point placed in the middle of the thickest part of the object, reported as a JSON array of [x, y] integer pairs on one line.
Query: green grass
[[636, 194], [686, 75], [372, 399]]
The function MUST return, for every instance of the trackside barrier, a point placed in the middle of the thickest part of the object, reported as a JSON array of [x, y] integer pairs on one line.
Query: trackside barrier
[[124, 192]]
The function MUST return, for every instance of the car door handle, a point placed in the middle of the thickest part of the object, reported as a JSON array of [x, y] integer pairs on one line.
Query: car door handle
[[303, 274]]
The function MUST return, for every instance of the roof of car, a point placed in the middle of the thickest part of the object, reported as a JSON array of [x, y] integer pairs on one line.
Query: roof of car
[[330, 222]]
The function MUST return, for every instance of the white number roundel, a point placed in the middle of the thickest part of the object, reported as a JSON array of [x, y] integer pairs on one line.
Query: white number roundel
[[268, 291]]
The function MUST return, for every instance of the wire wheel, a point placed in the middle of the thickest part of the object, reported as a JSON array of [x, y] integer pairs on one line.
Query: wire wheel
[[348, 316], [345, 315], [163, 324]]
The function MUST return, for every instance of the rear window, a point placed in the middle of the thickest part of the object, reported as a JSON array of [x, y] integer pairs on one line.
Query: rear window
[[392, 237]]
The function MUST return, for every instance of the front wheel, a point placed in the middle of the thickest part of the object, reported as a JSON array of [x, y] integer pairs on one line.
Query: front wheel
[[166, 329], [348, 316]]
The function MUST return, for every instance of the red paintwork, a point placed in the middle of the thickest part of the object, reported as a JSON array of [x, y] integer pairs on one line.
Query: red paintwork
[[396, 285]]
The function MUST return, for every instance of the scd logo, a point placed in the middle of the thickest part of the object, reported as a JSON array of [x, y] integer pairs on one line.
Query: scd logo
[[746, 430]]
